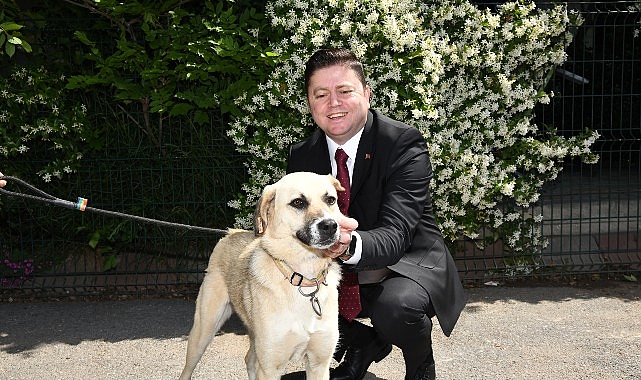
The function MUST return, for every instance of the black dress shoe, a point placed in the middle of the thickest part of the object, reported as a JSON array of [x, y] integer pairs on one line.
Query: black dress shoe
[[358, 359]]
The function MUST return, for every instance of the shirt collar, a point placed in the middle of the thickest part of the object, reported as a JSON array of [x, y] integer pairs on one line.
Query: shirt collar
[[350, 147]]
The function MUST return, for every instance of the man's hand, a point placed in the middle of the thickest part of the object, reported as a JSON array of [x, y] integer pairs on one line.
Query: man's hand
[[347, 225], [2, 182]]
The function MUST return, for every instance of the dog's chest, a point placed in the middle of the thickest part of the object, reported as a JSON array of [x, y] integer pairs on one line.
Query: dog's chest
[[304, 314], [310, 302], [305, 306]]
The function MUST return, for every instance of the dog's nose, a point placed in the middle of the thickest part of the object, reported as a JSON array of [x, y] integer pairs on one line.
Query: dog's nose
[[328, 226]]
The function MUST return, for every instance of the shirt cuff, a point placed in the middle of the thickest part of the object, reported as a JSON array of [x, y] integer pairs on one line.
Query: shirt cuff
[[358, 250]]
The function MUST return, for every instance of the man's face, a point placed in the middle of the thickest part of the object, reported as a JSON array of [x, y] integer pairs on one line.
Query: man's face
[[338, 102]]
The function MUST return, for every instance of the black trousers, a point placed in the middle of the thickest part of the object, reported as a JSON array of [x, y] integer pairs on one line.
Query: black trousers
[[400, 311]]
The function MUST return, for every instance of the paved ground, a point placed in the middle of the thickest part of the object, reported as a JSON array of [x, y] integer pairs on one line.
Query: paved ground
[[504, 333]]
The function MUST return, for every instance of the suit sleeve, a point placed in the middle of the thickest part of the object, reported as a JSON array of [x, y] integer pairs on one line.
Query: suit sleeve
[[405, 197]]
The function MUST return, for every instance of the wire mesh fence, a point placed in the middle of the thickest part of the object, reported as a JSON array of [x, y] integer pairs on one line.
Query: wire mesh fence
[[590, 213]]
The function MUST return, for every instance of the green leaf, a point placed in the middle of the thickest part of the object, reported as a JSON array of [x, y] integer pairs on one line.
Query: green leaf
[[630, 278], [82, 37], [201, 117], [94, 240], [10, 49], [26, 46], [7, 26], [111, 262], [181, 109]]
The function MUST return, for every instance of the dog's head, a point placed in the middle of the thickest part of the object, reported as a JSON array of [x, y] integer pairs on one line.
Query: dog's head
[[302, 205]]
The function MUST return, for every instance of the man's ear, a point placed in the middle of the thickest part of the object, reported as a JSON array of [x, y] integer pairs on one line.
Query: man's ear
[[264, 210]]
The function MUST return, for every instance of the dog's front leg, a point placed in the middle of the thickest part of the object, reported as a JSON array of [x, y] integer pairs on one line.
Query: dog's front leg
[[255, 369], [319, 353], [251, 361], [268, 359], [318, 368]]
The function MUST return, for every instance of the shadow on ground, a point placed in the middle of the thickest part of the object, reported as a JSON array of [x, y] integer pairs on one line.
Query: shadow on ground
[[28, 325], [25, 326]]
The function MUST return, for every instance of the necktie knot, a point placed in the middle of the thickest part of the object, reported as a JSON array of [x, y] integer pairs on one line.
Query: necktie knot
[[341, 157]]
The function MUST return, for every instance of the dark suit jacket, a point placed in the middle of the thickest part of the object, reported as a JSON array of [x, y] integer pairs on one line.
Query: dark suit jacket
[[393, 208]]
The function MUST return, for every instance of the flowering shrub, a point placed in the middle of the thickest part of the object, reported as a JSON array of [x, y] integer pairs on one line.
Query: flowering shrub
[[15, 274], [39, 122], [467, 78]]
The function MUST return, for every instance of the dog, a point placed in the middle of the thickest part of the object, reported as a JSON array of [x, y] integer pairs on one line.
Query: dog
[[277, 280]]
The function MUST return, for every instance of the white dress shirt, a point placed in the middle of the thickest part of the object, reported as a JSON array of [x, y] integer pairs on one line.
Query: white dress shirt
[[351, 148]]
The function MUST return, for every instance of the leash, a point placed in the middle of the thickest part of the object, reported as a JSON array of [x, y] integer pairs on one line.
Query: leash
[[81, 205]]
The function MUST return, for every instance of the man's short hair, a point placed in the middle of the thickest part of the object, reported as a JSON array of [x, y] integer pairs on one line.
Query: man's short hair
[[330, 57]]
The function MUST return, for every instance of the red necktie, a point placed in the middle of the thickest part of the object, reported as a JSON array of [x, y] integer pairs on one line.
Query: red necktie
[[349, 299]]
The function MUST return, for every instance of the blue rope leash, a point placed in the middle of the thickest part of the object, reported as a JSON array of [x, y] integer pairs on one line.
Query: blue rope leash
[[81, 205]]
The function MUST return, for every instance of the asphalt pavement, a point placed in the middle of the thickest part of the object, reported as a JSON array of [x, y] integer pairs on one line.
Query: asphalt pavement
[[531, 332]]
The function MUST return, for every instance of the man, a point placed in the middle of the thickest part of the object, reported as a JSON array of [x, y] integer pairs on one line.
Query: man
[[405, 272]]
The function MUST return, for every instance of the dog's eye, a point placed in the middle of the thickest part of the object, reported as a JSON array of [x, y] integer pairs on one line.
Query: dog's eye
[[330, 200], [299, 203]]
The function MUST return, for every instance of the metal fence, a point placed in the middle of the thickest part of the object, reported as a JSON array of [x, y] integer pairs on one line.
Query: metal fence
[[92, 253], [591, 212]]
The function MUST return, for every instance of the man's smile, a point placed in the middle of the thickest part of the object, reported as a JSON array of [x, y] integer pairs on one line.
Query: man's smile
[[337, 115]]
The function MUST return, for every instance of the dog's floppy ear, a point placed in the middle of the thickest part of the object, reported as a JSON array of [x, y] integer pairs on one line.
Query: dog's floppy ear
[[335, 183], [264, 209]]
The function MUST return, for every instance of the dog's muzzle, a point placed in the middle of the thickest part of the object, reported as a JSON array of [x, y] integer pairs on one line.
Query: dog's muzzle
[[320, 233]]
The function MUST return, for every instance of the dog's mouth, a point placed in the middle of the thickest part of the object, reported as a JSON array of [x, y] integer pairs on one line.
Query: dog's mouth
[[320, 233]]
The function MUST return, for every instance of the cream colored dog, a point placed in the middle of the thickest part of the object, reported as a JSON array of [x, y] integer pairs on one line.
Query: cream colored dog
[[278, 281]]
